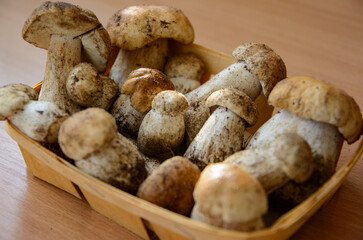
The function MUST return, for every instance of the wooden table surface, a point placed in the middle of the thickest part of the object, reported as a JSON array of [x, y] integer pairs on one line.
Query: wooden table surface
[[318, 38]]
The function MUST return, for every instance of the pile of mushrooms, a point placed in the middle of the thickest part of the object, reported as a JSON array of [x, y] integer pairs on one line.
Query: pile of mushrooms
[[167, 138]]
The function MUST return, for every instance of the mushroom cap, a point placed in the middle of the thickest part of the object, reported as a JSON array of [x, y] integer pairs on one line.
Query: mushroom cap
[[136, 26], [227, 192], [295, 154], [187, 65], [57, 18], [86, 132], [236, 101], [171, 185], [310, 98], [143, 85], [13, 97], [263, 62], [170, 102], [84, 86]]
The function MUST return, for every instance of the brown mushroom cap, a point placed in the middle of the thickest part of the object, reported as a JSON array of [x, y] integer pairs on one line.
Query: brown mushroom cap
[[143, 85], [57, 18], [263, 62], [236, 101], [13, 97], [86, 132], [136, 26], [186, 65], [310, 98], [227, 192], [171, 185]]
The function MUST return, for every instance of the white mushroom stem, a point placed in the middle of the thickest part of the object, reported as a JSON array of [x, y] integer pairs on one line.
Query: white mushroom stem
[[287, 158], [235, 76], [152, 55], [64, 53], [221, 136], [324, 140], [185, 85], [40, 121]]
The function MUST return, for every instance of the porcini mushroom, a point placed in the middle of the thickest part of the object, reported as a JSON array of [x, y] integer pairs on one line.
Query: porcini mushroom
[[88, 88], [38, 120], [141, 33], [320, 113], [258, 65], [171, 185], [57, 26], [137, 94], [288, 157], [162, 129], [226, 196], [185, 71], [222, 133], [90, 138]]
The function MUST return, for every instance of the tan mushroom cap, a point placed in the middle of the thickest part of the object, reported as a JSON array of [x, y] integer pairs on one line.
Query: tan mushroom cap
[[187, 65], [236, 101], [310, 98], [13, 97], [86, 131], [226, 191], [136, 26], [57, 18], [263, 62], [170, 102], [143, 85], [171, 185]]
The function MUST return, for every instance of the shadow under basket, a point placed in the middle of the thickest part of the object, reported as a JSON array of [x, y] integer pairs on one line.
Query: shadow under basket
[[138, 215]]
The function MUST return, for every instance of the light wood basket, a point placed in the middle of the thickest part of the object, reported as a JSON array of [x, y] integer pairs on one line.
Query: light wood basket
[[135, 214]]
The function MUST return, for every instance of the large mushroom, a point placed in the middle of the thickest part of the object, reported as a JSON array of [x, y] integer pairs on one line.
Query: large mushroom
[[222, 134], [62, 28], [38, 120], [257, 65], [228, 197], [90, 138], [320, 113], [141, 33]]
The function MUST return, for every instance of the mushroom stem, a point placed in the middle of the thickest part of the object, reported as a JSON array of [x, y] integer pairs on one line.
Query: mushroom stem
[[217, 139], [64, 53], [152, 55], [236, 76]]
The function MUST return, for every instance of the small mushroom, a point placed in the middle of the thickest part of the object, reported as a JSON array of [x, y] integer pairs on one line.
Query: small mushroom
[[171, 185], [162, 129], [38, 120], [137, 94], [288, 157], [320, 113], [88, 88], [226, 196], [258, 68], [185, 71], [90, 138], [222, 133], [141, 33], [58, 26]]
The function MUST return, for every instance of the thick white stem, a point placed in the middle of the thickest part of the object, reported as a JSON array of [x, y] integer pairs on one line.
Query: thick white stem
[[221, 136], [152, 56], [235, 76], [64, 53]]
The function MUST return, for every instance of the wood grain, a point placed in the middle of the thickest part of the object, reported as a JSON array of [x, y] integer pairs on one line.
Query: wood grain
[[317, 38]]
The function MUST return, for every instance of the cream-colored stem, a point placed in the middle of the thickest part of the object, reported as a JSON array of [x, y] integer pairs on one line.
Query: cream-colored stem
[[153, 55], [64, 53], [221, 136]]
